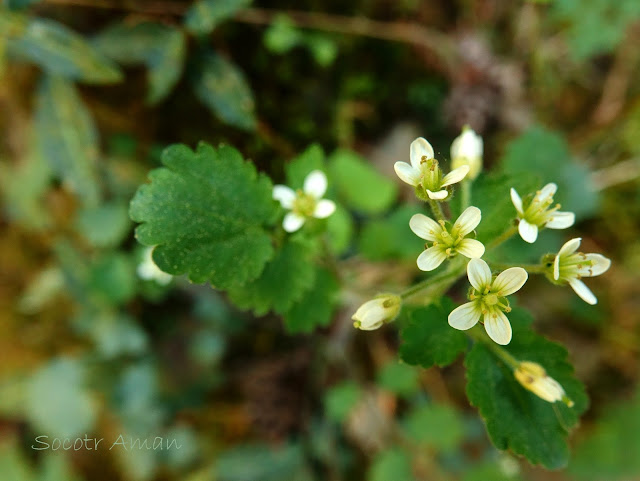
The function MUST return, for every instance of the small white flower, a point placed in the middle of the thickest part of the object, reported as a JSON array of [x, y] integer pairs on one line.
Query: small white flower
[[539, 214], [467, 149], [570, 266], [304, 203], [149, 271], [374, 313], [448, 240], [488, 300], [533, 377], [425, 174]]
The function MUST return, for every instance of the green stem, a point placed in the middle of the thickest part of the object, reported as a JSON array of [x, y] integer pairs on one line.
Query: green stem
[[466, 194], [444, 279], [478, 334], [436, 209], [506, 235], [530, 268]]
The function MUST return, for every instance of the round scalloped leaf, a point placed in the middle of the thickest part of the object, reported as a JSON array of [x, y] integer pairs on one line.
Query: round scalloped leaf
[[206, 211]]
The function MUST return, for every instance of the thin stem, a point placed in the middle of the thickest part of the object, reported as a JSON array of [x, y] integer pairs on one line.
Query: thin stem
[[506, 235], [531, 268], [466, 194], [444, 279], [436, 209], [478, 334]]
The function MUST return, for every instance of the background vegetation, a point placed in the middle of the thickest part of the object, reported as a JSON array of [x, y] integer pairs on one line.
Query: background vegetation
[[91, 91]]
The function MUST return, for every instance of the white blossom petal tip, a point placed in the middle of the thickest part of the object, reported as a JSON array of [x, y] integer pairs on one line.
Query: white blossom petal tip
[[468, 220], [455, 175], [315, 184], [498, 327], [561, 220], [528, 232], [431, 259], [465, 316], [407, 173], [285, 195], [517, 201], [479, 274], [509, 281], [420, 149], [292, 222], [324, 208], [425, 227], [583, 291], [439, 195], [471, 248]]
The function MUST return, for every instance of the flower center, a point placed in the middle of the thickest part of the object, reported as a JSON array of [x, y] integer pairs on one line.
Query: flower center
[[491, 300], [304, 204], [431, 174], [539, 212]]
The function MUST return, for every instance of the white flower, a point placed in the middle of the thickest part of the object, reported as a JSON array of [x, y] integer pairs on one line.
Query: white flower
[[533, 377], [149, 271], [467, 149], [374, 313], [304, 203], [425, 174], [570, 266], [448, 240], [539, 213], [488, 300]]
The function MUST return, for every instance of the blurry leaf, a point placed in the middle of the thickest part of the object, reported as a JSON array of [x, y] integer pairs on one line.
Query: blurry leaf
[[488, 471], [112, 279], [187, 448], [13, 465], [340, 229], [323, 48], [399, 378], [305, 163], [207, 211], [136, 396], [61, 51], [117, 335], [20, 4], [262, 463], [282, 35], [66, 135], [316, 307], [105, 225], [359, 184], [207, 348], [46, 286], [205, 15], [56, 468], [393, 464], [438, 426], [516, 418], [341, 399], [391, 238], [428, 339], [629, 134], [57, 404], [284, 280], [611, 450], [549, 152], [222, 87], [160, 47]]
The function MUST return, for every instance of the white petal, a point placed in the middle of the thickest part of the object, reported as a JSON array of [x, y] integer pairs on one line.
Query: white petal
[[583, 291], [284, 195], [420, 148], [468, 220], [517, 201], [465, 317], [556, 267], [528, 232], [425, 227], [324, 208], [292, 222], [569, 247], [547, 191], [431, 259], [600, 264], [561, 220], [498, 327], [479, 274], [407, 173], [471, 248], [509, 281], [315, 184], [440, 195], [455, 176]]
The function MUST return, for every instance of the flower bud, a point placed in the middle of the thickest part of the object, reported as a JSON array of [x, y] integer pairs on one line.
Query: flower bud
[[372, 314], [467, 149], [533, 377]]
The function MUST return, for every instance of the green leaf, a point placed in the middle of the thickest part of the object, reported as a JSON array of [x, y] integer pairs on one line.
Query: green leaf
[[256, 462], [112, 279], [207, 212], [361, 186], [282, 35], [550, 153], [340, 228], [284, 280], [222, 87], [516, 418], [399, 378], [105, 225], [205, 15], [392, 464], [305, 163], [489, 471], [428, 339], [13, 465], [611, 450], [20, 4], [316, 307], [61, 51], [341, 399], [438, 426], [67, 137], [391, 238], [57, 404], [160, 47]]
